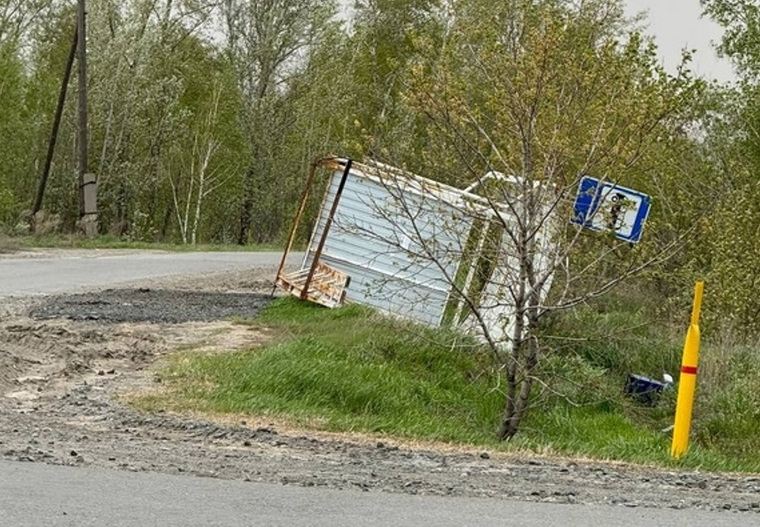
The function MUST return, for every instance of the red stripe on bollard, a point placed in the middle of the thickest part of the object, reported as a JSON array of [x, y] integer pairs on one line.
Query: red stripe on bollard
[[691, 370]]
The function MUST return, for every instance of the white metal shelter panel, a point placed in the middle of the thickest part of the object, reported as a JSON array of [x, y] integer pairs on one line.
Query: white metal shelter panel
[[400, 248]]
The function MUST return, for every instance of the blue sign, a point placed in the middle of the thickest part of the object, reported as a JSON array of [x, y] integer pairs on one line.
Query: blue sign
[[603, 206]]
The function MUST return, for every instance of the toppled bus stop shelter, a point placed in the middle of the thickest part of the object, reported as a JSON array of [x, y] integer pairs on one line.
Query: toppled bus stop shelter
[[407, 246]]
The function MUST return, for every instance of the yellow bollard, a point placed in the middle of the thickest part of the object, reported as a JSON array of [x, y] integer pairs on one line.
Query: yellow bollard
[[687, 383]]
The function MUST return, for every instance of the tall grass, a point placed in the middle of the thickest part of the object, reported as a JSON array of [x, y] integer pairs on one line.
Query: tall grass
[[602, 343]]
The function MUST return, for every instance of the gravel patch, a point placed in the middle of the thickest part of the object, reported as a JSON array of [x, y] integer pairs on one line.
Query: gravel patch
[[151, 305]]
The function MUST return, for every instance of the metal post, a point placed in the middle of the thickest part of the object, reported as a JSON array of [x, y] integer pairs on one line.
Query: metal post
[[687, 383], [328, 224]]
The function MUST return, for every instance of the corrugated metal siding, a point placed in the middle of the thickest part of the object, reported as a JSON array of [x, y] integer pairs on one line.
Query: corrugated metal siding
[[497, 310], [374, 237]]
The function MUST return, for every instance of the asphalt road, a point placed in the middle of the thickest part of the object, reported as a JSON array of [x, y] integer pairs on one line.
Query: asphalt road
[[36, 495], [72, 270], [42, 495]]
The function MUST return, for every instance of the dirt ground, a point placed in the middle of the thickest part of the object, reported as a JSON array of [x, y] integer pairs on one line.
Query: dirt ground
[[67, 361]]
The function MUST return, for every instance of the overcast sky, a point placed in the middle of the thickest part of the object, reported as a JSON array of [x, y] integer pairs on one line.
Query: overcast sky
[[677, 24]]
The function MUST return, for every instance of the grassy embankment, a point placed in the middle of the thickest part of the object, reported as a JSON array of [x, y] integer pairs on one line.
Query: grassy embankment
[[7, 244], [352, 370], [113, 242]]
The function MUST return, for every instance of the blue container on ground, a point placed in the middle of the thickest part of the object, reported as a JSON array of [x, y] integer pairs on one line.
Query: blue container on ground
[[643, 389]]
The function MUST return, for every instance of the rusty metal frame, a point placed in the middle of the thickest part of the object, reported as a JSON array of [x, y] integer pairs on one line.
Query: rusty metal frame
[[328, 224], [294, 230], [329, 282]]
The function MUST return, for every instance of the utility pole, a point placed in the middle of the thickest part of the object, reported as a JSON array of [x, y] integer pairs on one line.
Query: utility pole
[[56, 126], [88, 206]]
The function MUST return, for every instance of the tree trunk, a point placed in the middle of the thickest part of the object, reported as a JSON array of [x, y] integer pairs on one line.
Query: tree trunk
[[166, 223], [246, 212], [518, 395], [201, 191]]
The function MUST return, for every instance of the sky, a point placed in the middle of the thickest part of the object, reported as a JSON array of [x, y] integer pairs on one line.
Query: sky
[[677, 24]]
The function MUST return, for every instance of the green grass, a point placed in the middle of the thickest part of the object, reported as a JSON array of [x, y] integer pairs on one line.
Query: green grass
[[113, 242], [352, 370], [601, 433]]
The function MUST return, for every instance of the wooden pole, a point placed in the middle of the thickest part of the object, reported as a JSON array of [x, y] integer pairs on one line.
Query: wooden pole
[[56, 126], [82, 124]]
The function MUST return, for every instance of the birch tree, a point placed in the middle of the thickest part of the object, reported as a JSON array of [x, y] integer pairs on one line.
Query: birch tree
[[266, 41], [142, 53], [203, 164]]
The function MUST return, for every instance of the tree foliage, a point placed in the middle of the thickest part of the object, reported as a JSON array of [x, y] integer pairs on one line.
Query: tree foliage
[[729, 253], [205, 115], [545, 92]]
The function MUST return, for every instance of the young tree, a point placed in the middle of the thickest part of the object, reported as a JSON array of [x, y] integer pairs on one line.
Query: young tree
[[539, 94], [207, 159]]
